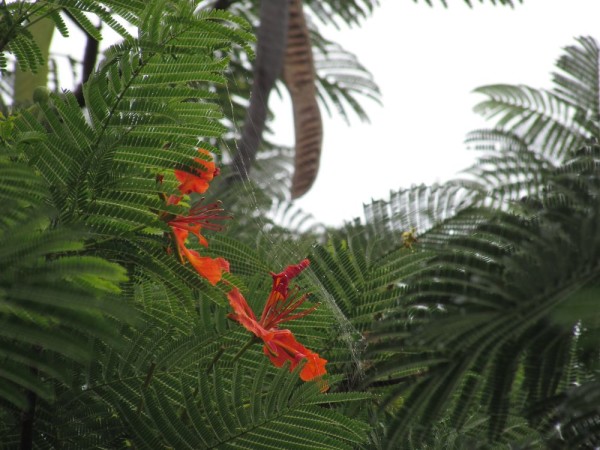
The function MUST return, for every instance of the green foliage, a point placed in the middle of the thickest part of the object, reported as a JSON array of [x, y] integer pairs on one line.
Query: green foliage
[[169, 378], [53, 301], [503, 313], [142, 120], [18, 16], [555, 122], [459, 315]]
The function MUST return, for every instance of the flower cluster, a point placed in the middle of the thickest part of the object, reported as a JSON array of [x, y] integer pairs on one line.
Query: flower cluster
[[199, 217], [283, 303], [281, 306]]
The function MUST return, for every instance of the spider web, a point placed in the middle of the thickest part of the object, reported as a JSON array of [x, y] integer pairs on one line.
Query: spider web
[[346, 332]]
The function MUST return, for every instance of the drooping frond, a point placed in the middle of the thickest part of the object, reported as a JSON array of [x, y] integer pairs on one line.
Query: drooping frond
[[341, 79], [350, 12], [299, 78]]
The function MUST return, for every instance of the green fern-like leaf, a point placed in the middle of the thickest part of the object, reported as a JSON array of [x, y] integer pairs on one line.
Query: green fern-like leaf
[[558, 121], [494, 294], [49, 293]]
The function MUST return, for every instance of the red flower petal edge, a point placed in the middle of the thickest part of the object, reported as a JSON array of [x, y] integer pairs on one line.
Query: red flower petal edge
[[280, 345]]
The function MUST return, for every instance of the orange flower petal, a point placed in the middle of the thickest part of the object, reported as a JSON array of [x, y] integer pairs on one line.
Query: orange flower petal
[[314, 367], [281, 346], [197, 180], [174, 199], [243, 314], [180, 236], [191, 183], [209, 268]]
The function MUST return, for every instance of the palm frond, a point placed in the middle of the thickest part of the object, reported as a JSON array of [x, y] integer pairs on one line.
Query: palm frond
[[558, 121], [508, 169], [350, 12]]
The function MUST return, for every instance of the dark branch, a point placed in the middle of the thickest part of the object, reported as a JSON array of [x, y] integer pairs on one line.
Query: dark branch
[[223, 4], [90, 57], [89, 63], [270, 51], [28, 415], [27, 418]]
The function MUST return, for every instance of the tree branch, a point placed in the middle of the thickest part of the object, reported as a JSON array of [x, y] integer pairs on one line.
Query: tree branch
[[90, 57], [28, 415], [270, 51], [223, 4]]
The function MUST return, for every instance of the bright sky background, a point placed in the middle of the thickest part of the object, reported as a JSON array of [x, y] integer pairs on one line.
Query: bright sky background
[[426, 62]]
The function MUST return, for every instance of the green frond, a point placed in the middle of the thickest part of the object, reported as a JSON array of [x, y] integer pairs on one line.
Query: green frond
[[508, 170], [102, 167], [49, 294], [555, 122], [575, 422], [419, 208], [578, 80], [494, 294], [60, 24], [213, 411], [19, 16], [548, 122], [174, 383], [26, 51]]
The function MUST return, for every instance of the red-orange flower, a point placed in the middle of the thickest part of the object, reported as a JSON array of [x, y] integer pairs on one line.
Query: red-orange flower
[[210, 268], [197, 180], [279, 345], [199, 217]]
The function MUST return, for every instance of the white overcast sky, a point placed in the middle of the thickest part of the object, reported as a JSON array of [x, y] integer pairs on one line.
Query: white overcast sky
[[426, 62]]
